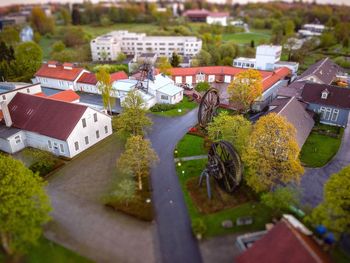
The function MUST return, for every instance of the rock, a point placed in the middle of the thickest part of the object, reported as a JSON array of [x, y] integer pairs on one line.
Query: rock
[[227, 224]]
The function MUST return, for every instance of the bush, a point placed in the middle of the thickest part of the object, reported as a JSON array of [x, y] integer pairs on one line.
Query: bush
[[162, 107], [199, 228], [41, 161], [203, 86]]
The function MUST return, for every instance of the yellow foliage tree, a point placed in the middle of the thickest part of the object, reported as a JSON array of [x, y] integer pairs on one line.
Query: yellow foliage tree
[[245, 88], [105, 87], [272, 154], [164, 65]]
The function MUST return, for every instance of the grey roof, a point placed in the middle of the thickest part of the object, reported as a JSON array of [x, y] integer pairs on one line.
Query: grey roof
[[6, 132], [295, 112], [325, 70], [293, 90]]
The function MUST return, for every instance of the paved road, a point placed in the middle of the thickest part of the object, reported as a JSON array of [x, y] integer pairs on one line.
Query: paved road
[[314, 179], [82, 223], [175, 240]]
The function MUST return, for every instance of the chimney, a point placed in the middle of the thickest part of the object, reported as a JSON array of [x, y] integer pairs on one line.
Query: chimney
[[6, 113], [68, 66], [52, 64]]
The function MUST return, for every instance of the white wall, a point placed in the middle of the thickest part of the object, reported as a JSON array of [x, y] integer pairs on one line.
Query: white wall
[[55, 83], [87, 88], [79, 132], [31, 89], [12, 144]]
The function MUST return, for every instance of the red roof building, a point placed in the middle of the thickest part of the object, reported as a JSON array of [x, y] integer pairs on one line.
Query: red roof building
[[90, 78], [55, 70], [284, 244], [66, 96]]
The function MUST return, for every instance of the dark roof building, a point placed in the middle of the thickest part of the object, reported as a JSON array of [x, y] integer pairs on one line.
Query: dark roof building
[[323, 72], [197, 15], [284, 243], [49, 117], [295, 112]]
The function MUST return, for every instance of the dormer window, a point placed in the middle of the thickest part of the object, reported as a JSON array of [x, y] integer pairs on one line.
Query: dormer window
[[325, 94]]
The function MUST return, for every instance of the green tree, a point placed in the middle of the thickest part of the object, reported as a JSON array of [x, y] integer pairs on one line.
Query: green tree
[[235, 129], [65, 15], [280, 199], [24, 206], [245, 89], [164, 66], [202, 86], [58, 46], [327, 39], [29, 57], [105, 87], [289, 27], [272, 155], [41, 22], [10, 35], [334, 212], [175, 60], [137, 158], [74, 36], [121, 57], [133, 119], [124, 191], [203, 58]]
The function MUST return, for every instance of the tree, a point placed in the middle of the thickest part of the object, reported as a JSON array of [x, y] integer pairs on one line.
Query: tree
[[6, 53], [74, 36], [272, 154], [203, 58], [202, 86], [133, 120], [137, 158], [245, 88], [105, 87], [58, 46], [334, 212], [121, 57], [164, 66], [65, 15], [175, 60], [289, 28], [124, 191], [10, 36], [235, 129], [29, 57], [327, 39], [252, 44], [280, 199], [41, 22], [24, 206], [76, 19]]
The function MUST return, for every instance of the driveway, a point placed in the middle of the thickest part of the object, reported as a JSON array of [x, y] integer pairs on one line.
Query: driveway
[[314, 178], [175, 241], [82, 223]]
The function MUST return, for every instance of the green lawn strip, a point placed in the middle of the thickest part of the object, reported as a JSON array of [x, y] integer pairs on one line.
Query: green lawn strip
[[246, 38], [184, 106], [190, 145], [48, 251], [260, 214], [319, 149], [46, 43]]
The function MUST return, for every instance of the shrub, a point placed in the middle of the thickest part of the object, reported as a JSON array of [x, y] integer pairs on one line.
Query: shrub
[[162, 107], [202, 86], [41, 161], [199, 228]]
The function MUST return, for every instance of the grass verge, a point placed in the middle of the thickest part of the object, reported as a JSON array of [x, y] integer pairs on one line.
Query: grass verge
[[180, 108], [190, 145]]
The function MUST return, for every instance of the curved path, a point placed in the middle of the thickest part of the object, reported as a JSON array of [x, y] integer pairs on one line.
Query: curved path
[[175, 241], [314, 178]]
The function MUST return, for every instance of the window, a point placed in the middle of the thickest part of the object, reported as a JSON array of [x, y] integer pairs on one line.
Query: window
[[61, 148], [83, 122], [76, 145], [328, 113], [28, 91], [97, 134], [86, 140], [164, 97], [49, 143], [106, 129], [18, 139], [335, 115]]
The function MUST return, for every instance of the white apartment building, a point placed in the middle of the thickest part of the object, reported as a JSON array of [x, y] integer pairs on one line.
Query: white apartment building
[[310, 30], [218, 18], [107, 47]]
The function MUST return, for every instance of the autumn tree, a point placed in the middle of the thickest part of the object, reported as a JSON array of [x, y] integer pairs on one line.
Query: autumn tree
[[133, 119], [334, 211], [245, 88], [175, 60], [24, 206], [272, 155], [105, 87], [74, 36], [164, 65], [40, 22], [235, 129], [137, 158]]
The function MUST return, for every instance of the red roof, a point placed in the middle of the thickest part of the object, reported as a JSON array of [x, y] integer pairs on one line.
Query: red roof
[[49, 117], [90, 78], [58, 72], [219, 14], [269, 77], [284, 244], [196, 13], [67, 96]]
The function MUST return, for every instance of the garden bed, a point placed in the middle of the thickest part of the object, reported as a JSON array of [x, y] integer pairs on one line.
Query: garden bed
[[179, 109]]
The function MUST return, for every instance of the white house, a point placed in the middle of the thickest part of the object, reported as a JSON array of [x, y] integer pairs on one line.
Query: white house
[[59, 76], [108, 47], [160, 89], [218, 18], [26, 34], [9, 89], [310, 30], [63, 128]]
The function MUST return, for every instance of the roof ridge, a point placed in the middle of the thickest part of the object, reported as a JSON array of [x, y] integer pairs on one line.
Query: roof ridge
[[290, 100], [320, 65]]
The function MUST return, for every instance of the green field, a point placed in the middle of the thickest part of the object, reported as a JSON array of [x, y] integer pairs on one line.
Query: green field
[[246, 38], [190, 145], [319, 149], [180, 109]]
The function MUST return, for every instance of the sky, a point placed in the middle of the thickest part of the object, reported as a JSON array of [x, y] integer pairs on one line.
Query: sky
[[8, 2]]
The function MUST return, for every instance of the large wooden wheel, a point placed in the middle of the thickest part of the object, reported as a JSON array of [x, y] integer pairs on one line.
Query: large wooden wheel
[[208, 107], [224, 164]]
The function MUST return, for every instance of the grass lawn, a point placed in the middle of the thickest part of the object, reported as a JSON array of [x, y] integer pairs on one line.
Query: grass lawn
[[319, 149], [190, 145], [260, 214], [246, 38], [48, 251], [46, 43], [180, 109]]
